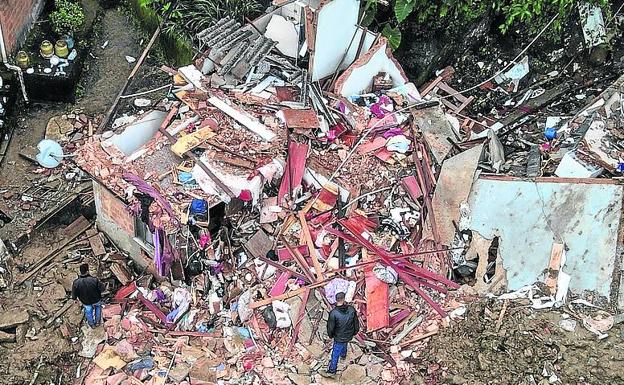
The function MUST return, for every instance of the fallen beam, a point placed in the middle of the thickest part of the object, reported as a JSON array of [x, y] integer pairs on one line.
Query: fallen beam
[[300, 315], [308, 239], [290, 294], [252, 125], [79, 229], [60, 312]]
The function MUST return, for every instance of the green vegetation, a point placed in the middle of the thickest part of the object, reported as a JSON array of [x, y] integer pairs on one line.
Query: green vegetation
[[192, 16], [436, 13], [187, 19], [177, 48], [67, 18]]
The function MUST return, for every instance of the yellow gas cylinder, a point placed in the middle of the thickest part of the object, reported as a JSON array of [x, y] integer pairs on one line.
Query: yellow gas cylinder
[[60, 48], [22, 59], [46, 49]]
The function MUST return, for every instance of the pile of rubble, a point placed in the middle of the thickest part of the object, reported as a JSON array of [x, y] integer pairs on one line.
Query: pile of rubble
[[46, 192], [262, 187], [39, 324]]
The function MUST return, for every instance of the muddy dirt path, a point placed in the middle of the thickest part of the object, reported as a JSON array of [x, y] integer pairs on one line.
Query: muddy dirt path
[[54, 345], [102, 78]]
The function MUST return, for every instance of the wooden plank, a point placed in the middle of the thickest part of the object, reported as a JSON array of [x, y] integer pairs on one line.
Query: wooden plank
[[377, 299], [78, 227], [60, 312], [416, 339], [431, 86], [280, 285], [451, 91], [411, 187], [554, 266], [449, 104], [234, 161], [311, 247], [295, 168], [303, 265], [290, 294], [96, 244], [153, 308], [283, 268], [284, 255], [400, 316], [464, 105], [300, 315], [121, 272]]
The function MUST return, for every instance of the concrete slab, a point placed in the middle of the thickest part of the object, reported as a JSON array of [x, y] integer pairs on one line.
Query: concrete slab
[[529, 216], [453, 189], [10, 319]]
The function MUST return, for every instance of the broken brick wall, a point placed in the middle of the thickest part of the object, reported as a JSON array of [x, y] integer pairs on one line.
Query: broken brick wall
[[114, 219], [16, 18]]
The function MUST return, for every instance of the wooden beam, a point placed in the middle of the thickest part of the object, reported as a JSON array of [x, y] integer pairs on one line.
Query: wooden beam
[[299, 259], [308, 239], [79, 229], [290, 294], [60, 312], [284, 269], [300, 315]]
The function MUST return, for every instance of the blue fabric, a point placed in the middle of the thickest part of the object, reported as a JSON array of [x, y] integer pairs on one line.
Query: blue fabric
[[339, 350], [89, 310], [143, 363], [199, 206]]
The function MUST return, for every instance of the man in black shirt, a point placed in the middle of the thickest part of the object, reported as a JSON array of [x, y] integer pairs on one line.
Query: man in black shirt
[[89, 290], [343, 324]]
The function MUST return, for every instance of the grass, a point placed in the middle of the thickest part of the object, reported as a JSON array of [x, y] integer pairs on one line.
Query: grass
[[177, 49]]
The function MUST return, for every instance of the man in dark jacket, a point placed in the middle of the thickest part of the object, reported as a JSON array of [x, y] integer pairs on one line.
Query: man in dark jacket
[[343, 324], [89, 290]]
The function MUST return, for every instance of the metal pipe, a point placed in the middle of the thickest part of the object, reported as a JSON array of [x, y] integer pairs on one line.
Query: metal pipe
[[17, 69]]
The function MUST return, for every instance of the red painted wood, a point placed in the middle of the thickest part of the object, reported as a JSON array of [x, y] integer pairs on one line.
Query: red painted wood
[[280, 286], [295, 167], [377, 301]]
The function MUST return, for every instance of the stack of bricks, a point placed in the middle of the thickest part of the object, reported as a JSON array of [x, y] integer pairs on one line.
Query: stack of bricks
[[16, 18]]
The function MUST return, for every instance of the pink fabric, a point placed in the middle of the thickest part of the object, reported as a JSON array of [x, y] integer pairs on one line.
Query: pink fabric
[[204, 240]]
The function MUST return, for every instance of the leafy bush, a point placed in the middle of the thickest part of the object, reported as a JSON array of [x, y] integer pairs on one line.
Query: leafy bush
[[67, 18], [436, 13], [192, 16]]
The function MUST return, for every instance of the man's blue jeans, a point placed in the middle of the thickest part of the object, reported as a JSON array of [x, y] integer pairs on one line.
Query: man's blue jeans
[[339, 350], [89, 310]]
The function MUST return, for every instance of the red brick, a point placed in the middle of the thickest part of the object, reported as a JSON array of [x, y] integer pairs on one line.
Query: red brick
[[14, 16]]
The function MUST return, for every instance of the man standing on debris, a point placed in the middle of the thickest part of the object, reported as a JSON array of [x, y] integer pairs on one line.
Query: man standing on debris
[[343, 324], [89, 290]]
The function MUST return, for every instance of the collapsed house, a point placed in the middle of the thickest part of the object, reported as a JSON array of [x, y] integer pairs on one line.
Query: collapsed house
[[296, 161]]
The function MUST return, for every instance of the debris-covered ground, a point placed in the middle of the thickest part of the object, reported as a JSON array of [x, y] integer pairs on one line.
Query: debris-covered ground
[[477, 234], [506, 343]]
